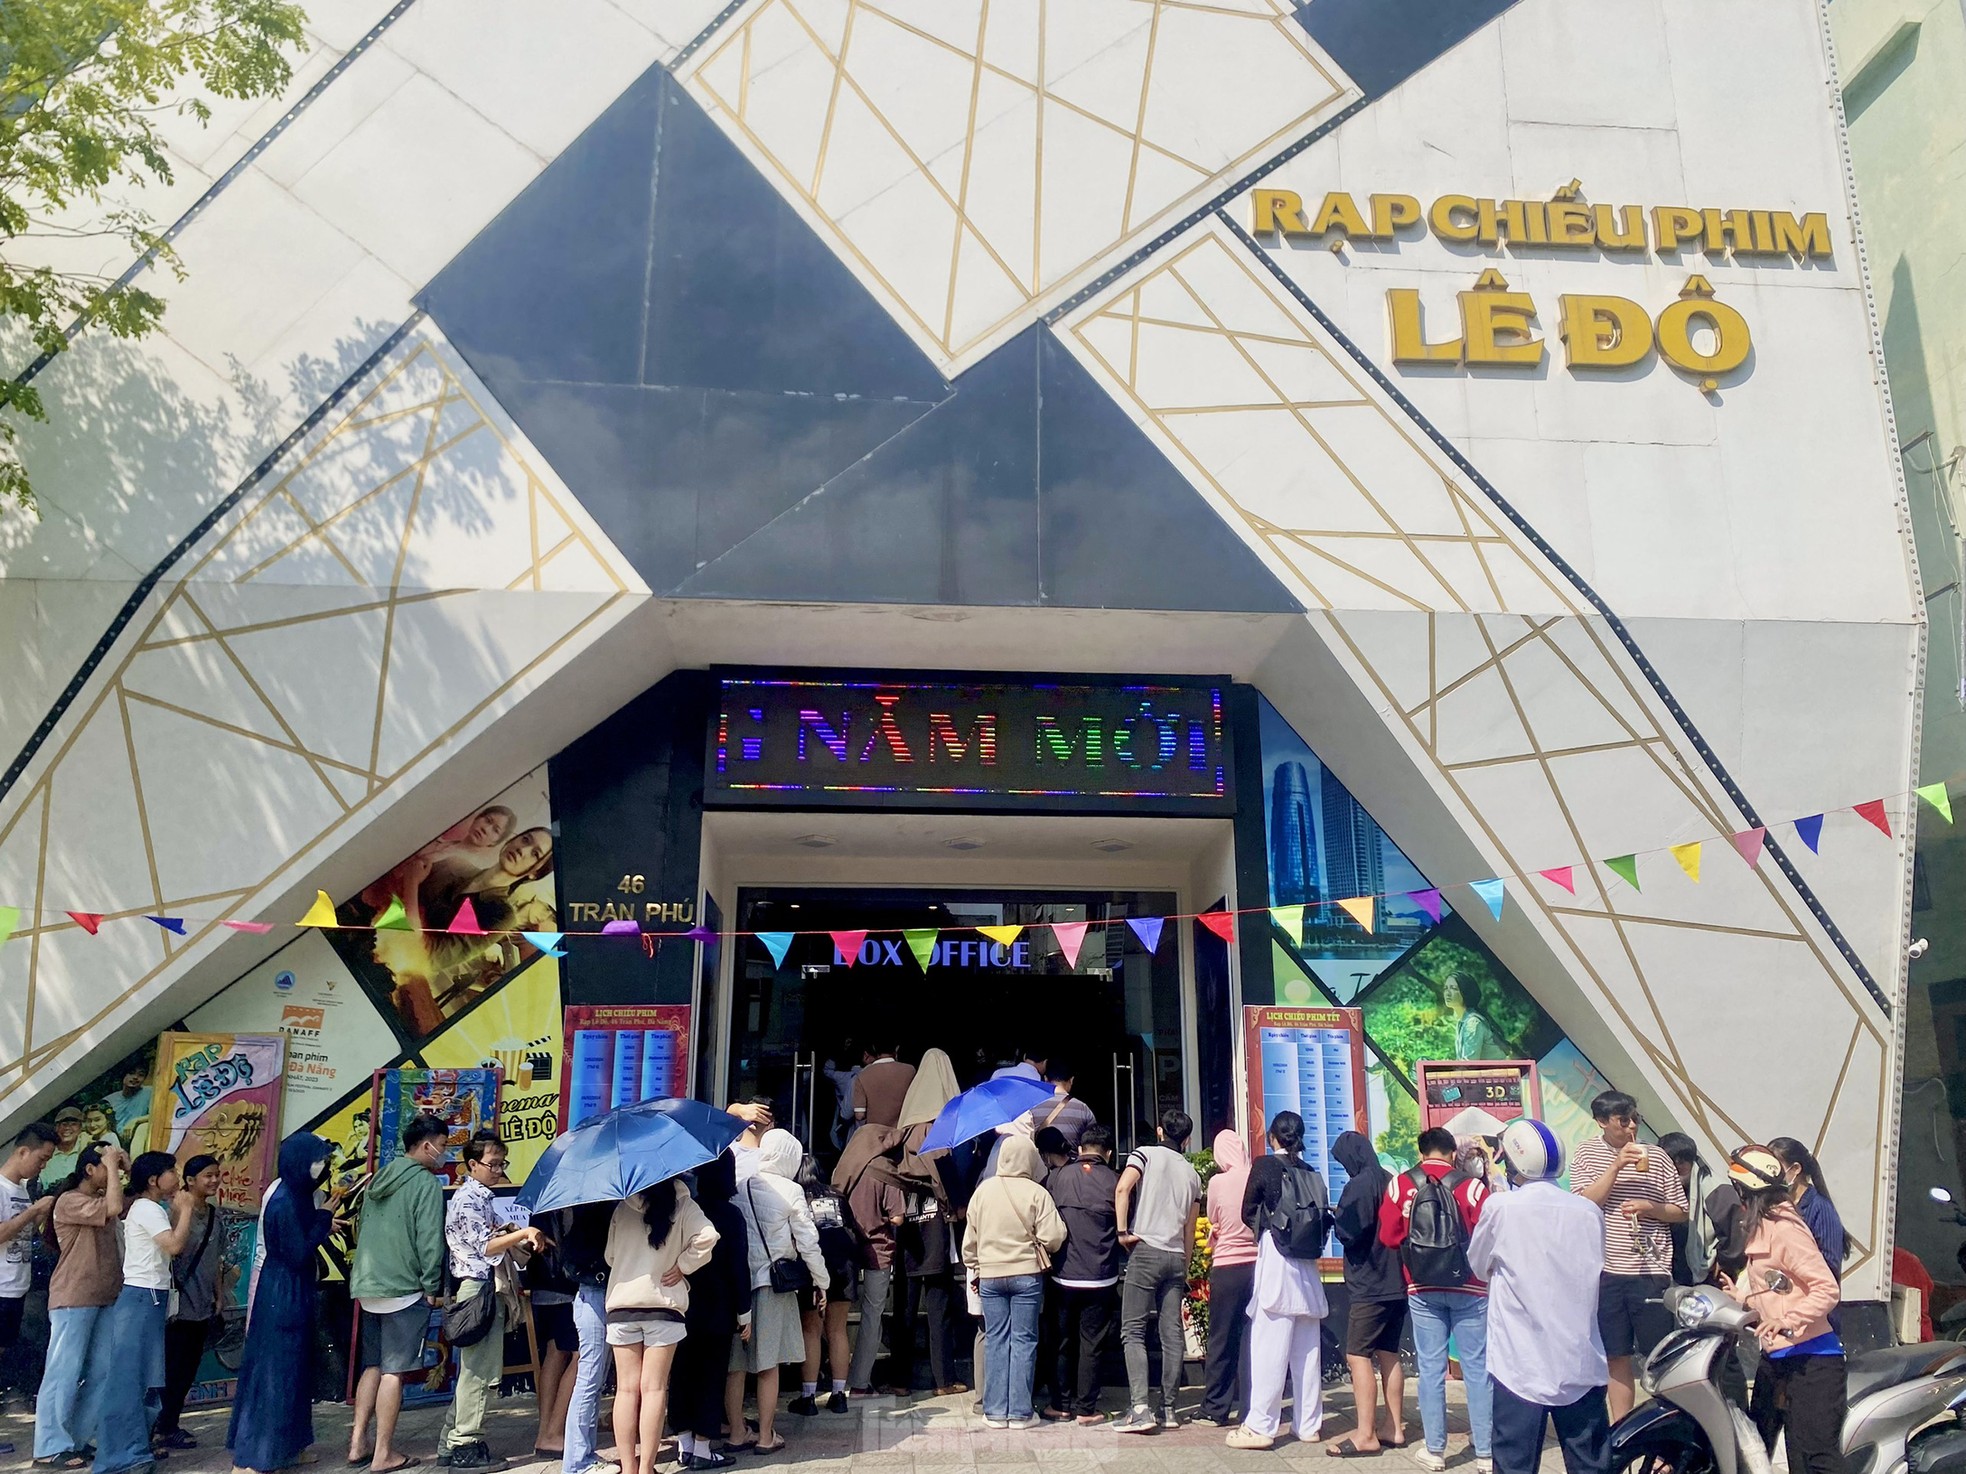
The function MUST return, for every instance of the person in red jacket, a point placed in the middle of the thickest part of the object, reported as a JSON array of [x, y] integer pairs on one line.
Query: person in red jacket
[[1444, 1299]]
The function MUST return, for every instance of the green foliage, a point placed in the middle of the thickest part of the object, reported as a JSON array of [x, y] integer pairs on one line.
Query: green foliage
[[1397, 1144], [82, 85]]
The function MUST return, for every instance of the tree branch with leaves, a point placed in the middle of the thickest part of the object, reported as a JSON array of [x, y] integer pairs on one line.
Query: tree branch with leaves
[[82, 86]]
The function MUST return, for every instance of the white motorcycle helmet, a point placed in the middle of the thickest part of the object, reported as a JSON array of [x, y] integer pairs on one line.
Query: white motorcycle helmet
[[1531, 1150]]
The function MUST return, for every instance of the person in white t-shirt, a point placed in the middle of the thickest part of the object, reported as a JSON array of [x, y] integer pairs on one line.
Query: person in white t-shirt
[[20, 1216], [133, 1391]]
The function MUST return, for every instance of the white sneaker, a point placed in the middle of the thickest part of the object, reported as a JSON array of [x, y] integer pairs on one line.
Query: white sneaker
[[1484, 1466], [1033, 1421], [1427, 1459], [996, 1422]]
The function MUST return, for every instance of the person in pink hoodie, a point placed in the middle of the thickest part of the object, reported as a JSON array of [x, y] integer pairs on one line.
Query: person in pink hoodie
[[1231, 1272], [1787, 1281]]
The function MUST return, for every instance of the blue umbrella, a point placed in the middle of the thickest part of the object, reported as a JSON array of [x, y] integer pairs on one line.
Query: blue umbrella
[[612, 1156], [983, 1108]]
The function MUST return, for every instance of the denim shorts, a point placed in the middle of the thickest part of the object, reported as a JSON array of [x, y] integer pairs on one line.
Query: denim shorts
[[394, 1342]]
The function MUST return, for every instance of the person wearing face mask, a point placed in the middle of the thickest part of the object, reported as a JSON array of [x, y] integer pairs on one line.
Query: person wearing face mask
[[1809, 1194], [272, 1412]]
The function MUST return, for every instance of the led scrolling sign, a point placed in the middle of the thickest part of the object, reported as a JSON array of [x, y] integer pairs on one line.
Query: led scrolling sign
[[970, 745]]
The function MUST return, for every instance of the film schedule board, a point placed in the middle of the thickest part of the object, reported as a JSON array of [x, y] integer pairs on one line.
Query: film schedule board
[[1311, 1061], [621, 1055]]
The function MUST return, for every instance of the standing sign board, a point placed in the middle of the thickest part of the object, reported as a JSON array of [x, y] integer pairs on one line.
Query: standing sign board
[[1311, 1061], [618, 1056], [1476, 1098]]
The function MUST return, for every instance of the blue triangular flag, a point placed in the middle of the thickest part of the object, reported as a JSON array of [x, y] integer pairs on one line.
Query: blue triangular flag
[[169, 923], [1810, 831], [1490, 891], [547, 941], [778, 943], [1147, 929]]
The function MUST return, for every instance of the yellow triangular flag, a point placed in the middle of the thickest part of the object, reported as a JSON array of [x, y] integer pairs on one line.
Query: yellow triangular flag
[[1688, 856], [1291, 919], [1359, 908], [321, 913], [1003, 936]]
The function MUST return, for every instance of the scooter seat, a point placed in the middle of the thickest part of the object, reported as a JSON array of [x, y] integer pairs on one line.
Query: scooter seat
[[1874, 1371]]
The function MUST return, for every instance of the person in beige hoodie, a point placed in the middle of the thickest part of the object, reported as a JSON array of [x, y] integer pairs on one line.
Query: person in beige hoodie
[[1014, 1229], [656, 1239]]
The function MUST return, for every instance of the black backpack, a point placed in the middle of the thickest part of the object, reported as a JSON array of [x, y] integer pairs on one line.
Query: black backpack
[[1301, 1220], [1435, 1254]]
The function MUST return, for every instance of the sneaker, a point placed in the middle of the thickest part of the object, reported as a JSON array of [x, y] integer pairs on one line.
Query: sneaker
[[1432, 1462], [178, 1438], [1484, 1466], [1168, 1417], [1029, 1420], [1245, 1437], [1140, 1420], [836, 1403], [805, 1407], [996, 1422], [477, 1457]]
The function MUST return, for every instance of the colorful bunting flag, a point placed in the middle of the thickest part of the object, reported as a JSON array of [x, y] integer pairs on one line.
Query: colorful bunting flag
[[1688, 856], [921, 941], [172, 924], [848, 943], [9, 919], [1874, 811], [465, 923], [321, 913], [1491, 891], [394, 917], [1147, 929], [778, 943], [1291, 919], [1428, 901], [87, 920], [699, 933], [1003, 936], [1222, 923], [257, 928], [548, 942], [621, 926], [1359, 908], [1563, 875], [1749, 842], [1810, 832], [1071, 937], [1625, 867], [1935, 794]]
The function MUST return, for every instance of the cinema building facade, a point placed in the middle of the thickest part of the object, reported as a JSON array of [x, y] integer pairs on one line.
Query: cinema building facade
[[1355, 520]]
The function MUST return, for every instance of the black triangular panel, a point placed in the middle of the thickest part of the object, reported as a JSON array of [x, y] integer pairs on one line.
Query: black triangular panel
[[1380, 43]]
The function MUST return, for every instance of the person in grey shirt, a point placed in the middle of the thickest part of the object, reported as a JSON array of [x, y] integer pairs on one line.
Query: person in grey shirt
[[194, 1302], [1158, 1199]]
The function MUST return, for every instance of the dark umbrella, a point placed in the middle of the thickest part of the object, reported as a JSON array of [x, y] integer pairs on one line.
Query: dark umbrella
[[613, 1156], [983, 1108]]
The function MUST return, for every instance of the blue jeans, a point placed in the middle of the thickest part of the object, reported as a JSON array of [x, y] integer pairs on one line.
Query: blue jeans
[[590, 1319], [66, 1411], [133, 1332], [1438, 1314], [1010, 1344]]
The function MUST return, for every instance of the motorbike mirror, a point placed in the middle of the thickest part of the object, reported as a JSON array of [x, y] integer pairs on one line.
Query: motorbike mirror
[[1939, 1195]]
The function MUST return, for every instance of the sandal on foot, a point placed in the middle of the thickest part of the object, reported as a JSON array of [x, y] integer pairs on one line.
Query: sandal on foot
[[1345, 1448], [776, 1446], [409, 1462]]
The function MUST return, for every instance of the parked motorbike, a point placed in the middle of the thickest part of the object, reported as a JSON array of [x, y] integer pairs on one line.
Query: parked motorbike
[[1904, 1402]]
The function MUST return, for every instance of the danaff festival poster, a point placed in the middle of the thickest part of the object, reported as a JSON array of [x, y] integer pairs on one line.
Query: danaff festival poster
[[499, 857], [220, 1094], [466, 1101]]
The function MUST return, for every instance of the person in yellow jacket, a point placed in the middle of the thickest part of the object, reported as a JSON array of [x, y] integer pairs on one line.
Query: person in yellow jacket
[[1013, 1231]]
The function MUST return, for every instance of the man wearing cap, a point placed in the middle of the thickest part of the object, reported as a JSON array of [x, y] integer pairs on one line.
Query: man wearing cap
[[68, 1146], [1541, 1249]]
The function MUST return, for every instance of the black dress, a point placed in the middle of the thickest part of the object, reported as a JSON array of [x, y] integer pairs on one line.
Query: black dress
[[718, 1293]]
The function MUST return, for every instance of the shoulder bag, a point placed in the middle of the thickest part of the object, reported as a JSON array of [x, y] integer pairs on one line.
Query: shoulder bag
[[790, 1275], [468, 1320]]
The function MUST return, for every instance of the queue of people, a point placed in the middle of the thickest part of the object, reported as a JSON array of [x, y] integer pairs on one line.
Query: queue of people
[[699, 1289]]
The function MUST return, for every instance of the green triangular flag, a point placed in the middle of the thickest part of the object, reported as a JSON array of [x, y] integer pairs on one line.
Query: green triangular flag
[[9, 919], [1626, 866], [1291, 919], [394, 917], [1935, 795], [921, 941]]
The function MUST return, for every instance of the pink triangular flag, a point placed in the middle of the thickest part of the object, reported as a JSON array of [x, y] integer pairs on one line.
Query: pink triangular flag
[[1071, 937], [847, 944], [1749, 843], [257, 928], [1562, 875], [1428, 901], [1222, 923], [1874, 811], [465, 923]]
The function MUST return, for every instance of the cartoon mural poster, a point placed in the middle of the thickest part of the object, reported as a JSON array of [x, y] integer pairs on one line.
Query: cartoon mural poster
[[466, 1101], [219, 1094]]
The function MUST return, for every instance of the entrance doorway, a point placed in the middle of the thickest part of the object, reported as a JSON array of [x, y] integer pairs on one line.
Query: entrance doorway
[[1115, 1017]]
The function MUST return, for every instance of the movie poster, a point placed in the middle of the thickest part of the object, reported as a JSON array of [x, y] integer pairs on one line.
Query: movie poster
[[1450, 998], [219, 1094], [466, 1101], [517, 1032], [499, 858]]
